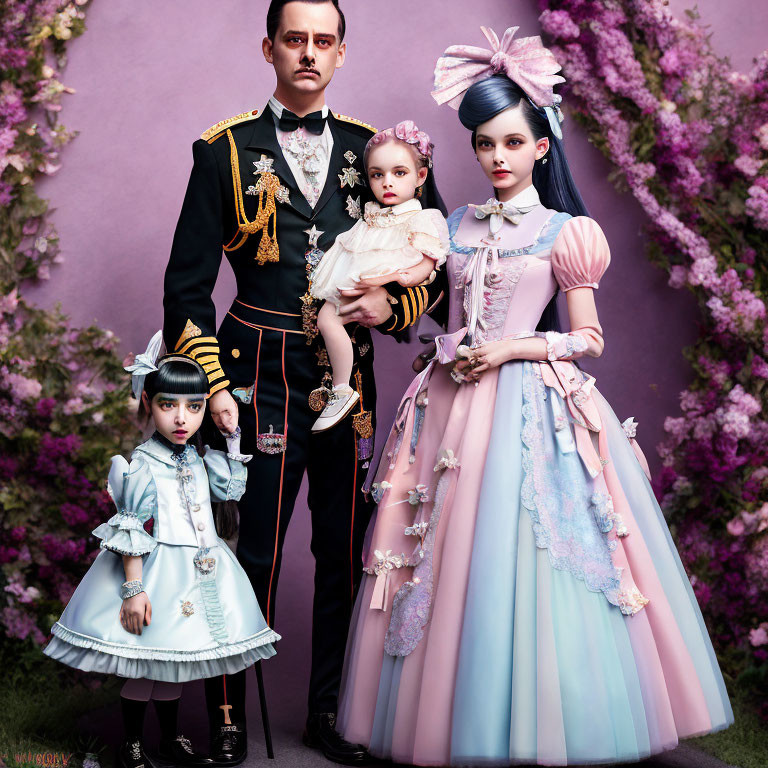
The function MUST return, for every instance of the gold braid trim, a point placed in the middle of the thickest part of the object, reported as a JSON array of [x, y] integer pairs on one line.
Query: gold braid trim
[[267, 186], [215, 131], [354, 121]]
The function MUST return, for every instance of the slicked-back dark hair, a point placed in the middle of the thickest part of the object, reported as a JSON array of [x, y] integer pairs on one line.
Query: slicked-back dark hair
[[275, 11]]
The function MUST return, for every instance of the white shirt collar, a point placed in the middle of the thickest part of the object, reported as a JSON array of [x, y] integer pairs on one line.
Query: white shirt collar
[[528, 196], [277, 108]]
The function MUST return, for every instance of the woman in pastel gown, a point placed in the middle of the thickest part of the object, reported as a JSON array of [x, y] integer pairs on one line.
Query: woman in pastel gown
[[523, 600]]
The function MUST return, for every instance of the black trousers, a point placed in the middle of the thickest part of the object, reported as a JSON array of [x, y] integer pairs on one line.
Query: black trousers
[[268, 352]]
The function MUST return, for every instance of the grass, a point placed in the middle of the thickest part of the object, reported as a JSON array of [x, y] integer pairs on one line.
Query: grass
[[744, 744], [41, 703]]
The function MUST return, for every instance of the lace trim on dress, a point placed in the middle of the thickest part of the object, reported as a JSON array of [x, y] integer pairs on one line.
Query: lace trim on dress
[[568, 521], [412, 602]]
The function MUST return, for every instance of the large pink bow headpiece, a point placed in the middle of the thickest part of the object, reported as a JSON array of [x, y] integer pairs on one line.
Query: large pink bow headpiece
[[524, 61]]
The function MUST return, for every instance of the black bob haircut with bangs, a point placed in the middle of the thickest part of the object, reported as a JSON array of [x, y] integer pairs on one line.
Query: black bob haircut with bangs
[[176, 376], [275, 11]]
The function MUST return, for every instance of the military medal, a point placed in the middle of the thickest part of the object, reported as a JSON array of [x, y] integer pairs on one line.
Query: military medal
[[312, 255], [271, 442], [362, 423], [318, 398]]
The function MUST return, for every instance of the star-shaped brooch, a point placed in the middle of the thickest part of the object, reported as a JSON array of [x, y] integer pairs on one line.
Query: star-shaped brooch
[[349, 176], [353, 206], [263, 166], [314, 235]]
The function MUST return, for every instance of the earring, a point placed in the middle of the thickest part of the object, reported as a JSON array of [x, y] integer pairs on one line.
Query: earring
[[419, 191], [544, 160]]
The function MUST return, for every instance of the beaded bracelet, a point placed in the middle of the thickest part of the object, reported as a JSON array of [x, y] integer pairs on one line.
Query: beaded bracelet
[[131, 589]]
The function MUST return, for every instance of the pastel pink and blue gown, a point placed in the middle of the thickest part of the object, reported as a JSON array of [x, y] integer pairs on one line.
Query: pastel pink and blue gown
[[523, 599]]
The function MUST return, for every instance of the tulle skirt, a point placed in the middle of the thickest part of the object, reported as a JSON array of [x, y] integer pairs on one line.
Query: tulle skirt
[[562, 628]]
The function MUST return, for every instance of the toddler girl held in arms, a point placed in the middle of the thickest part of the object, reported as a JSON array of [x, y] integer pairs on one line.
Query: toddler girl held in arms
[[396, 241]]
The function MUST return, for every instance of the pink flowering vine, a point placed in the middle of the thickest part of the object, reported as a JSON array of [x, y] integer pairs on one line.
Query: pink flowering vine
[[63, 396], [689, 139]]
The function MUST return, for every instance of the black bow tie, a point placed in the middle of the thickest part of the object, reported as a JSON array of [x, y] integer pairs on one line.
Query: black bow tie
[[314, 122]]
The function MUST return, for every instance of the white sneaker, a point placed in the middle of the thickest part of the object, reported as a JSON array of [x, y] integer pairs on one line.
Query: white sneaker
[[339, 405]]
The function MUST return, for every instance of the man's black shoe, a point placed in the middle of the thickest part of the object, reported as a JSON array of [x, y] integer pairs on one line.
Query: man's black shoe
[[179, 752], [229, 745], [130, 754], [321, 734]]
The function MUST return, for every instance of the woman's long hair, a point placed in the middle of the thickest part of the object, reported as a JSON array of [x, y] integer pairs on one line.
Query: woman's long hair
[[553, 180]]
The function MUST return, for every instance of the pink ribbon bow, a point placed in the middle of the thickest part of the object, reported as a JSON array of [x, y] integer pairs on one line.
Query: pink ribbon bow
[[408, 132], [525, 61]]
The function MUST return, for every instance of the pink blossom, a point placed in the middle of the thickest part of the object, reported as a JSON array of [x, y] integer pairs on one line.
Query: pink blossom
[[757, 205], [678, 276], [749, 166], [74, 405], [759, 636], [736, 527], [20, 625], [9, 302], [559, 24], [22, 387]]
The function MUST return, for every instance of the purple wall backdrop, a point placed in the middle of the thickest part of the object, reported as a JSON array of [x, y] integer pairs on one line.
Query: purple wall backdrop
[[150, 77]]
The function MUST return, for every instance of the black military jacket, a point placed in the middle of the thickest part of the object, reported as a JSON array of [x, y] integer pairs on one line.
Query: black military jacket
[[222, 203]]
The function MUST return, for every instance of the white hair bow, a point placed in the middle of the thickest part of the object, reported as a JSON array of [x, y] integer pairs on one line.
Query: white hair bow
[[144, 364]]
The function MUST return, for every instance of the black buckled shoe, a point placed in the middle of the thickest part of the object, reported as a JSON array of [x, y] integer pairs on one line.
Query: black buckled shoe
[[321, 734], [179, 752], [130, 754], [229, 745]]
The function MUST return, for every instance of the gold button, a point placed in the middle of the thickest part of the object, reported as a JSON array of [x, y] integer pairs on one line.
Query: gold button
[[235, 353]]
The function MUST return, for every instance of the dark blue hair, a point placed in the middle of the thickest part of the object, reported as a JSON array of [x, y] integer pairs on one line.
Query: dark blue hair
[[553, 181]]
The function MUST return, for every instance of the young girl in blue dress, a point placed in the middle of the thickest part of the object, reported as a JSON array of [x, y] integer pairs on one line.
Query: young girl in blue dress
[[165, 601]]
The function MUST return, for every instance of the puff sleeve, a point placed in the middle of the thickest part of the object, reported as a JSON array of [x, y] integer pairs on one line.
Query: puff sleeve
[[226, 471], [580, 254], [132, 488], [428, 233]]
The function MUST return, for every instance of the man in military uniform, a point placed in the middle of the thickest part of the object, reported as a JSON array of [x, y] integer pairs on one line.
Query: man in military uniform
[[273, 190]]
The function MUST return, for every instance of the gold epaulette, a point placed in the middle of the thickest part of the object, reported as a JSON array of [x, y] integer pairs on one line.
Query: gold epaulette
[[354, 121], [215, 131]]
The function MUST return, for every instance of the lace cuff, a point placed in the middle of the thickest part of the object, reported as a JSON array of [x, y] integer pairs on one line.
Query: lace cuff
[[124, 534], [233, 448], [562, 346]]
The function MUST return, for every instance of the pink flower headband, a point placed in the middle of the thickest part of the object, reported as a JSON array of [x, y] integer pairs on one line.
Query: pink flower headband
[[408, 132], [525, 61]]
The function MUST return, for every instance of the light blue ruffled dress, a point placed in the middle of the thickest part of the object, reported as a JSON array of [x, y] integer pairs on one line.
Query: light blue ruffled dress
[[206, 620]]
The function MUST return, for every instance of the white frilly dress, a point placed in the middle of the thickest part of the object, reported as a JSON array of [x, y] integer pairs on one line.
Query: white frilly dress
[[384, 241], [206, 620]]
